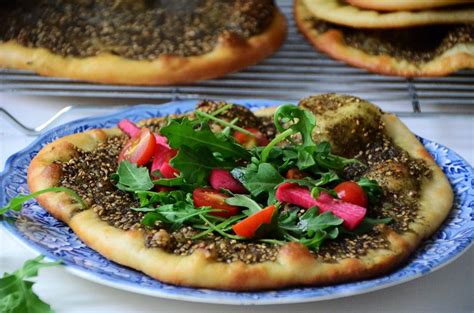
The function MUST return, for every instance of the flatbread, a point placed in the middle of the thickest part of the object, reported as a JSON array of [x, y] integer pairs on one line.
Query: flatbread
[[137, 60], [294, 264], [391, 52], [339, 12], [404, 5]]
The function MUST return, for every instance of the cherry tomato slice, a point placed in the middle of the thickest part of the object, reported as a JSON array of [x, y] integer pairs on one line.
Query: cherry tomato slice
[[214, 199], [248, 226], [249, 141], [139, 149], [351, 192]]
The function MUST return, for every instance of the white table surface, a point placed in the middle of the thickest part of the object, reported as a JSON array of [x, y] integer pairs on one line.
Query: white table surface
[[450, 289]]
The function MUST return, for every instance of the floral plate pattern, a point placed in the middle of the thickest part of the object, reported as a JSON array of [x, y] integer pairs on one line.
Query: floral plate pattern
[[43, 233]]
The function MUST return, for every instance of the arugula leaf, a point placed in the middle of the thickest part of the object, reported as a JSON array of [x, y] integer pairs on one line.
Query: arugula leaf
[[325, 159], [311, 229], [224, 226], [16, 203], [175, 215], [260, 179], [371, 188], [16, 293], [182, 133], [131, 177], [195, 164], [318, 227], [246, 202], [151, 198], [218, 230], [305, 158], [303, 122], [326, 178], [170, 182], [311, 221], [229, 125], [176, 209]]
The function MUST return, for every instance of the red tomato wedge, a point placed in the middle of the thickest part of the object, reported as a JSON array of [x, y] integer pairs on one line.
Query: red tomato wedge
[[250, 141], [214, 199], [248, 226], [139, 149], [351, 192], [167, 170]]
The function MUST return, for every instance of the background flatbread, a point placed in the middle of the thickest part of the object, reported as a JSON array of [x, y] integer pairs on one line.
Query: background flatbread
[[103, 50], [330, 39], [339, 12], [404, 5]]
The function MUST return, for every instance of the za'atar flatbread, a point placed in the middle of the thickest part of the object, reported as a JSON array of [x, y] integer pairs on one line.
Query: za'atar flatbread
[[353, 141], [404, 5], [342, 13], [435, 50], [138, 42]]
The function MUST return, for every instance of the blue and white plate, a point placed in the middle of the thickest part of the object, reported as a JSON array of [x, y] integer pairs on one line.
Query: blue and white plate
[[52, 238]]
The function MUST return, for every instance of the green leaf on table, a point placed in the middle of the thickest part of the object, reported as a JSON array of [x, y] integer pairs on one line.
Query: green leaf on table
[[16, 293]]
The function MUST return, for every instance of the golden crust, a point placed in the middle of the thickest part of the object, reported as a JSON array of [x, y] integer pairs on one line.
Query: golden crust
[[403, 5], [294, 264], [230, 54], [332, 42], [339, 12], [44, 172]]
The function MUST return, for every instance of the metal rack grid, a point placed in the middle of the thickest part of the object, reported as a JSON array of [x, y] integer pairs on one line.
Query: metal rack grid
[[295, 71]]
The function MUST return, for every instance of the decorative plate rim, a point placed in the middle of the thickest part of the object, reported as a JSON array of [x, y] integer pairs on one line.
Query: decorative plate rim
[[216, 296]]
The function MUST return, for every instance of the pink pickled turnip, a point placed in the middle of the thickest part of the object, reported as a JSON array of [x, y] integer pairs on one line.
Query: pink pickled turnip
[[129, 128], [294, 194], [163, 154], [162, 140], [222, 179], [352, 214]]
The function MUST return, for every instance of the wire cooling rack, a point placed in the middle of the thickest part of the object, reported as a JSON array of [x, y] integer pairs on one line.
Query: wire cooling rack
[[292, 73]]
